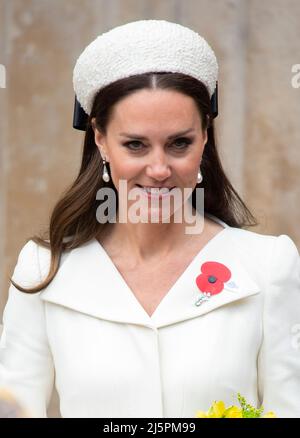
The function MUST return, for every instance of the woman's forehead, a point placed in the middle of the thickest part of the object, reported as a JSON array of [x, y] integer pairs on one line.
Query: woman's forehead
[[162, 112]]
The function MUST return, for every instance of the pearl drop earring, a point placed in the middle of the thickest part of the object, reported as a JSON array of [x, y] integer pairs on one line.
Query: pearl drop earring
[[199, 177], [105, 175]]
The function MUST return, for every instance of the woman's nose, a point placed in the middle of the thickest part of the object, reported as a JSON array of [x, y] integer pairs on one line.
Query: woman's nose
[[158, 168]]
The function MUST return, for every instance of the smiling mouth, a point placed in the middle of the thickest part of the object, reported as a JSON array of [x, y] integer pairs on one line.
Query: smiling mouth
[[155, 188], [155, 191]]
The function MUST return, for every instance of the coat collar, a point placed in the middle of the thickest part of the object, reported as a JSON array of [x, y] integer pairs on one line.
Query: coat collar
[[90, 283]]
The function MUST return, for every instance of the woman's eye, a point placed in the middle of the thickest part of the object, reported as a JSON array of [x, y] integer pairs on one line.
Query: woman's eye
[[130, 143], [179, 144], [182, 143]]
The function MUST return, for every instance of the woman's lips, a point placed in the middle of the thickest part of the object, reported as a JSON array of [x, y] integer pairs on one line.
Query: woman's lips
[[150, 187], [161, 192]]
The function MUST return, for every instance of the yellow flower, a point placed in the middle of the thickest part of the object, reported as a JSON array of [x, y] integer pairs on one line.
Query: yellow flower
[[233, 412], [218, 410], [269, 414], [201, 414]]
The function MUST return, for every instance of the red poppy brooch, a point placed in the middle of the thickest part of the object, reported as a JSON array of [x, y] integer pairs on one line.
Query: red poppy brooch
[[211, 280]]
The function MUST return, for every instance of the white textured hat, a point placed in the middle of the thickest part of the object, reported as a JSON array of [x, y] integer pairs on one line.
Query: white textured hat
[[139, 47]]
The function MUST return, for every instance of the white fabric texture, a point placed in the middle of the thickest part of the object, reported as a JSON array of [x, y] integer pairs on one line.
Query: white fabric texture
[[139, 47], [111, 359]]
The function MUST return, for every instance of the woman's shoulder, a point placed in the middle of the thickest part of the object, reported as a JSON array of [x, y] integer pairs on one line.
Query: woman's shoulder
[[262, 242], [251, 239], [34, 260], [273, 261], [270, 258]]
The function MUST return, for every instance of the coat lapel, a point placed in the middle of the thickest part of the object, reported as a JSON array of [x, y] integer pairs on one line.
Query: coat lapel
[[89, 282]]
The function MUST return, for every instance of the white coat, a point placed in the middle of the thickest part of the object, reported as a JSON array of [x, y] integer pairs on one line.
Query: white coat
[[89, 335]]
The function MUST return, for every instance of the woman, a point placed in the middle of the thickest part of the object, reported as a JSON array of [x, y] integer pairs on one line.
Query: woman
[[152, 318]]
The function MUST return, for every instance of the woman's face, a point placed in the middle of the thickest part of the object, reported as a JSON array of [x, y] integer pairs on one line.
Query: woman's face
[[154, 139]]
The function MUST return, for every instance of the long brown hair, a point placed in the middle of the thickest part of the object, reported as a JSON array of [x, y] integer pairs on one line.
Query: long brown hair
[[73, 220]]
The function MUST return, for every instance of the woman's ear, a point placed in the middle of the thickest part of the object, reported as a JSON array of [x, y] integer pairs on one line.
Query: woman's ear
[[205, 137], [96, 132], [99, 140]]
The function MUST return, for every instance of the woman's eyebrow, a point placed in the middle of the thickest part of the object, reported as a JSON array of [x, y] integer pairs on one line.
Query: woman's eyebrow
[[124, 134]]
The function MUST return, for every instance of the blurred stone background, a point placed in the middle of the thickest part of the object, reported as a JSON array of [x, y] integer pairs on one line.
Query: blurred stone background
[[258, 132]]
